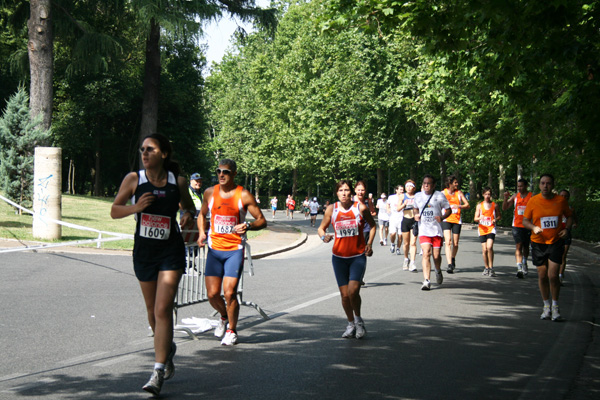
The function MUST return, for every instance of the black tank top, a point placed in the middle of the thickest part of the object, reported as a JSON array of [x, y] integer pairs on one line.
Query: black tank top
[[157, 232]]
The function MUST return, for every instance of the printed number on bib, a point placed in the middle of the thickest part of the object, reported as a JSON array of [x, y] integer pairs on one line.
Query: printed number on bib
[[225, 223], [428, 216], [521, 210], [346, 228], [549, 222], [485, 221], [155, 226], [455, 209]]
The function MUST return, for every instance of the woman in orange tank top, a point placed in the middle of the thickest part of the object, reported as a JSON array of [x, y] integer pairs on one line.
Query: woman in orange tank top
[[350, 251], [486, 215], [452, 225]]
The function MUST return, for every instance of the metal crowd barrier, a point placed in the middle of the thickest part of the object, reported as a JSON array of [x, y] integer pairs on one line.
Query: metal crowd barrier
[[192, 287]]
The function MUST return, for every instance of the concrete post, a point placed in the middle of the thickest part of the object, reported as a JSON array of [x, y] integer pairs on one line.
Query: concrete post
[[47, 202]]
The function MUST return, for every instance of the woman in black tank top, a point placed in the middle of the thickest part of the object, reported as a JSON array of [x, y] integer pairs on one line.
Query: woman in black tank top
[[156, 193]]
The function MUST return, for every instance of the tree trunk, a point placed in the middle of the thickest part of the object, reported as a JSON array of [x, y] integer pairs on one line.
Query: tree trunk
[[294, 182], [151, 83], [443, 169], [380, 179], [519, 172], [256, 186], [41, 56], [97, 181], [501, 179], [472, 185]]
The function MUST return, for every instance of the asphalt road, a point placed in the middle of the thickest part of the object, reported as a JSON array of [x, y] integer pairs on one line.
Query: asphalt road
[[73, 326]]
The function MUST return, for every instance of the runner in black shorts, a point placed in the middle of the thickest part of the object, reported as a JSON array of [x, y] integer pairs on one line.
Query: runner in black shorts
[[520, 234], [566, 194], [157, 193], [543, 216]]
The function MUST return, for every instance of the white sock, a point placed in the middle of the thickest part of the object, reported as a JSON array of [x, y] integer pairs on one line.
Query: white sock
[[554, 303], [547, 303], [159, 366]]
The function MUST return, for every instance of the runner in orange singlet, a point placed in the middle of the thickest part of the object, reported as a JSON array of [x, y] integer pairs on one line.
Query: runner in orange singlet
[[452, 224], [227, 204], [350, 251], [542, 216], [520, 234], [486, 215]]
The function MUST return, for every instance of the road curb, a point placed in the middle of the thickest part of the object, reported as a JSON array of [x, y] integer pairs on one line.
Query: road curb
[[303, 238]]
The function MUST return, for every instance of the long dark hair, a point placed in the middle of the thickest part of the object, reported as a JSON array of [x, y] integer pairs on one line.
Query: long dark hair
[[165, 146]]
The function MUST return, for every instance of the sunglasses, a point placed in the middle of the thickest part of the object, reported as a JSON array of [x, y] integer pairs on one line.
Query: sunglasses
[[223, 171], [149, 149]]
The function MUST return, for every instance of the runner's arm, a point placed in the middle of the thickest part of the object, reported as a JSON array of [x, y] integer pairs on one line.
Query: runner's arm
[[322, 231], [202, 222], [259, 219], [507, 203], [477, 216], [119, 208], [465, 204]]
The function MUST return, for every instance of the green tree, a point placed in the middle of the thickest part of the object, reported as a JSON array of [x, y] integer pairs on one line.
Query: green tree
[[19, 136]]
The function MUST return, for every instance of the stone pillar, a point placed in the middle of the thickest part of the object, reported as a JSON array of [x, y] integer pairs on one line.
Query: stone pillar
[[47, 202]]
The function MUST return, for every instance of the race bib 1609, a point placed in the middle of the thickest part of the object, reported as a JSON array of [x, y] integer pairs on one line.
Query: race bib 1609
[[155, 226]]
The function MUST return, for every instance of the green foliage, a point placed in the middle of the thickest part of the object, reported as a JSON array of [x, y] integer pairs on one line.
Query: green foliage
[[18, 138], [587, 228]]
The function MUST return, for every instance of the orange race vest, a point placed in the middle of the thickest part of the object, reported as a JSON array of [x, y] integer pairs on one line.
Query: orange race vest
[[520, 205], [454, 200], [348, 226], [547, 214], [487, 220], [224, 215]]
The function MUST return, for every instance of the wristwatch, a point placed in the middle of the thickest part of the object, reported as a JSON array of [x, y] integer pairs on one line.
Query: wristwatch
[[248, 225]]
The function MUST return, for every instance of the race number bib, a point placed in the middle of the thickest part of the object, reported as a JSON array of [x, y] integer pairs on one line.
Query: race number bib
[[485, 221], [549, 222], [454, 208], [521, 210], [347, 228], [428, 216], [155, 226], [225, 223]]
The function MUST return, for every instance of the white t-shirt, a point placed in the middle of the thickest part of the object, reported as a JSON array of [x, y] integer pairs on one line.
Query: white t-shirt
[[314, 207], [428, 226], [393, 202], [383, 214]]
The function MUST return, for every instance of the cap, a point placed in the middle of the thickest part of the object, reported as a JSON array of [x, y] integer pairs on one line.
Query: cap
[[383, 196], [195, 176], [314, 199]]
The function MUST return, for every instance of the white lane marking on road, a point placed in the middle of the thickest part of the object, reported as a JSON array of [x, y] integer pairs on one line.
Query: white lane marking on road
[[12, 376], [83, 358], [115, 360], [331, 295]]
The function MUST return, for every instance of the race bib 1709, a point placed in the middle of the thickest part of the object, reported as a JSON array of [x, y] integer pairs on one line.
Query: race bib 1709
[[549, 222], [225, 223], [155, 226], [346, 228]]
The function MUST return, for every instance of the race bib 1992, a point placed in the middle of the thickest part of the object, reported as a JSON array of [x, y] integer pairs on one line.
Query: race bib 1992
[[155, 226], [346, 228]]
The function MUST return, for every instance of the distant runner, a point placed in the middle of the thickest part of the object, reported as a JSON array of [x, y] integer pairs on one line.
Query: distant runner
[[452, 225], [486, 215], [521, 235]]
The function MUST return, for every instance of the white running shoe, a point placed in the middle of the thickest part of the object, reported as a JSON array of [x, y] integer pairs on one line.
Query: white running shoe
[[385, 242], [405, 265], [492, 273], [426, 285], [361, 331], [520, 271], [155, 383], [393, 248], [169, 366], [381, 242], [412, 267], [221, 328], [486, 272], [525, 269], [556, 314], [350, 331], [439, 278], [546, 313], [230, 338]]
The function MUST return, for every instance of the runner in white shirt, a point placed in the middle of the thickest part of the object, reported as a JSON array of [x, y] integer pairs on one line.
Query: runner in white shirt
[[313, 206], [394, 202], [383, 218], [428, 212]]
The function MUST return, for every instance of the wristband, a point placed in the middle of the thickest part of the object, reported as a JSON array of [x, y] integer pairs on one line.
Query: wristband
[[248, 225], [323, 238]]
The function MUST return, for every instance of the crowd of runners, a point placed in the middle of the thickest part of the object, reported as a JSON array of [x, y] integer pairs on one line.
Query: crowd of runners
[[157, 193]]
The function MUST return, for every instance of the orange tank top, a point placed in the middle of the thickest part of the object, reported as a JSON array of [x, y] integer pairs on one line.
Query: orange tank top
[[487, 219], [225, 214], [454, 200], [520, 205], [348, 226]]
